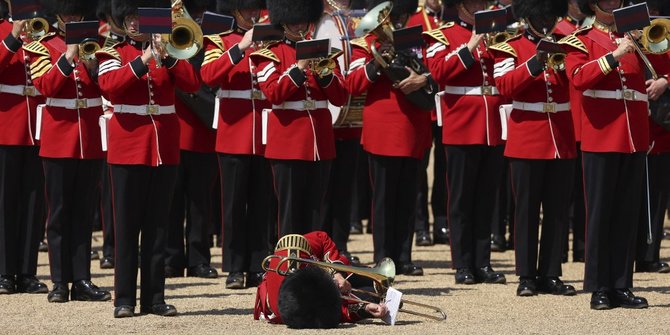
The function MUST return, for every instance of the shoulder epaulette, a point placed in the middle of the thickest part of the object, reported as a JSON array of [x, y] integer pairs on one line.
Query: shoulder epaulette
[[360, 42], [217, 40], [37, 48], [574, 42], [504, 47], [447, 25], [437, 35], [111, 52], [266, 53]]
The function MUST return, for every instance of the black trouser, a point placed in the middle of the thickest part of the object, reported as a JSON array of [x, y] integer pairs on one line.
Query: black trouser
[[577, 211], [106, 213], [613, 185], [503, 210], [142, 198], [473, 175], [342, 182], [301, 188], [192, 202], [22, 209], [248, 209], [438, 201], [394, 182], [659, 192], [547, 183], [70, 194], [361, 198]]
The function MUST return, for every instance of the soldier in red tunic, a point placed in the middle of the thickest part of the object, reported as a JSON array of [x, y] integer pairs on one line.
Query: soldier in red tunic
[[540, 146], [460, 61], [21, 176], [143, 153], [71, 151], [309, 297], [247, 201], [615, 137], [300, 143]]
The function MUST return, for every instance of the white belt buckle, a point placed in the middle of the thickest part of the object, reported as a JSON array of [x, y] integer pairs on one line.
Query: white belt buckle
[[256, 94], [628, 95], [29, 91], [487, 90], [152, 109], [81, 103], [309, 104], [549, 107]]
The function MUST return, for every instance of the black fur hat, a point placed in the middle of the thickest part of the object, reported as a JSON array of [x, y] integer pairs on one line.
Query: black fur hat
[[123, 8], [86, 8], [227, 6], [199, 5], [586, 9], [295, 11], [309, 298], [4, 9], [539, 8], [451, 3], [400, 7], [104, 10]]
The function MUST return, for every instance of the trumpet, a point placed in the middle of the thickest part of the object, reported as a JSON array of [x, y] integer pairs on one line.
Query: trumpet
[[556, 61], [323, 67], [37, 27], [88, 48], [186, 38], [383, 275]]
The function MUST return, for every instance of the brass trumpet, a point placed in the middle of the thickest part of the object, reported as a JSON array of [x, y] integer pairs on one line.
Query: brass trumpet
[[556, 61], [36, 28], [88, 48], [324, 67], [383, 275], [186, 38]]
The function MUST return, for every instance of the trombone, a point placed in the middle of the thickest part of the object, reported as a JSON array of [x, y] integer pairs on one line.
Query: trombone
[[88, 48], [186, 38], [383, 275]]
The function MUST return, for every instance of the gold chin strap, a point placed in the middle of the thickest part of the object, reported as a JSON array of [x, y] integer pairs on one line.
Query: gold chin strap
[[294, 242]]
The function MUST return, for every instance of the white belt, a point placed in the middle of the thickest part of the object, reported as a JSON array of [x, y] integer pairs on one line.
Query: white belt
[[628, 94], [541, 107], [302, 105], [472, 90], [144, 109], [240, 94], [103, 123], [74, 103], [30, 91]]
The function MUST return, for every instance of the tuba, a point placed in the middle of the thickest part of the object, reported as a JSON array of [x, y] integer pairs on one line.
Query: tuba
[[186, 38], [383, 275], [377, 22]]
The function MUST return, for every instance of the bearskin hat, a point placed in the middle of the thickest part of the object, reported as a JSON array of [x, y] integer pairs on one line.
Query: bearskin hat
[[104, 10], [539, 8], [308, 298], [199, 5], [123, 8], [451, 3], [294, 11], [4, 9], [86, 8], [227, 6], [586, 9], [400, 7]]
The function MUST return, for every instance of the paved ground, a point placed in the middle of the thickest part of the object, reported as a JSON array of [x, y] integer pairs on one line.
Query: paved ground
[[207, 307]]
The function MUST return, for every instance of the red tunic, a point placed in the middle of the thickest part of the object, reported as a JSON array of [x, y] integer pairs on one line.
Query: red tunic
[[566, 27], [194, 135], [520, 76], [65, 132], [392, 125], [142, 139], [300, 134], [239, 128], [610, 124], [324, 250], [17, 111], [467, 119]]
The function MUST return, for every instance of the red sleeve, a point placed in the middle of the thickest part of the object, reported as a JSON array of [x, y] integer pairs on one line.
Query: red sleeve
[[277, 87], [512, 78], [362, 72], [446, 62], [10, 46], [217, 63], [584, 72], [112, 77], [49, 82], [184, 76], [324, 248]]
